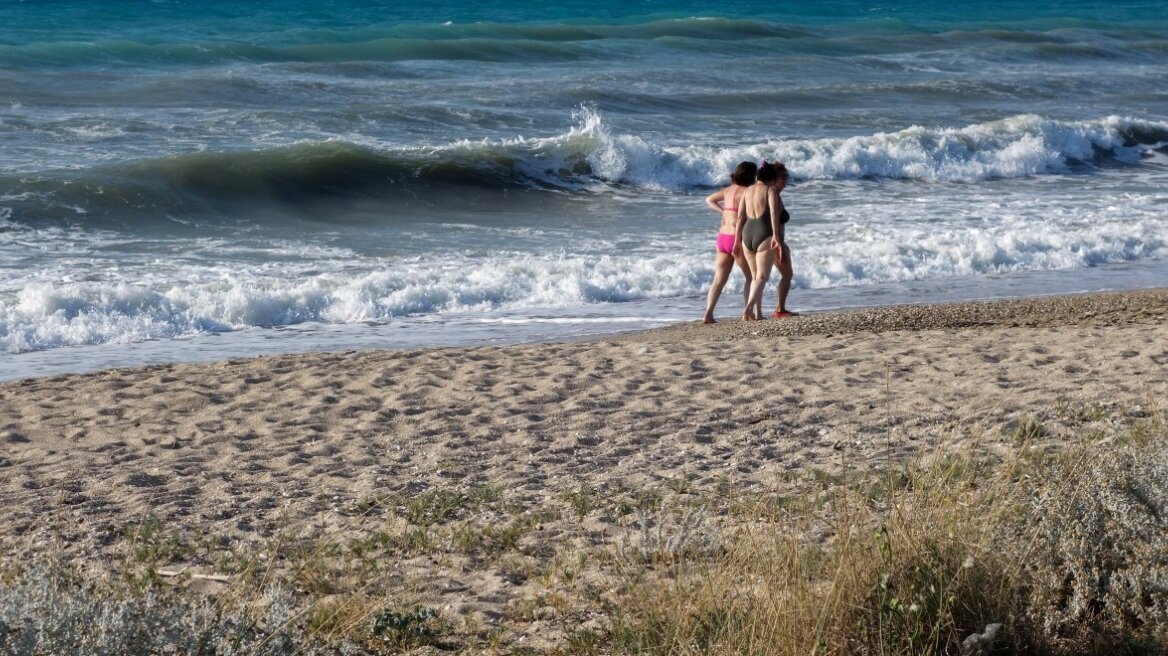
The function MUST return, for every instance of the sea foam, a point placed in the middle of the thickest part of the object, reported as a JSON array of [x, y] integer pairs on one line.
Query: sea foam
[[353, 290]]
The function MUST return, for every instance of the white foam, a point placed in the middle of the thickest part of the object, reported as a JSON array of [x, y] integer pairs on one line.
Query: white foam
[[96, 131], [1014, 147], [189, 299]]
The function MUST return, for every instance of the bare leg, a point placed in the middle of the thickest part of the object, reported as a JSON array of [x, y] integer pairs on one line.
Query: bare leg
[[755, 272], [786, 274], [761, 263], [744, 265], [723, 265]]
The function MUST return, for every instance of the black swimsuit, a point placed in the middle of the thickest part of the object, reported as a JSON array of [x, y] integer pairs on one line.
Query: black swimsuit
[[757, 230]]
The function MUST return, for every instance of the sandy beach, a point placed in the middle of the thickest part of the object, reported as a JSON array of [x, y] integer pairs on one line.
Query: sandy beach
[[235, 453]]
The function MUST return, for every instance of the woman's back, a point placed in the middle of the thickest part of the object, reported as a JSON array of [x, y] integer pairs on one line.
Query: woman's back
[[757, 202], [731, 197]]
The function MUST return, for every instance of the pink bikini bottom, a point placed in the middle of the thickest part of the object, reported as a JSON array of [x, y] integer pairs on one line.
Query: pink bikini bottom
[[725, 243]]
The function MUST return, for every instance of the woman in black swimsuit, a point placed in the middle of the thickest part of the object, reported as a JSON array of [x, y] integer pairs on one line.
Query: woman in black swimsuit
[[760, 231]]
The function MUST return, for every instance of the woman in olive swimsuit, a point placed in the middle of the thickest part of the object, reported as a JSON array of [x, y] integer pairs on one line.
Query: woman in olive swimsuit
[[728, 249], [759, 230]]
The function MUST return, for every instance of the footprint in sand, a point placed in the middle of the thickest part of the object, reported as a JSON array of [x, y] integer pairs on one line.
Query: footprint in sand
[[142, 479]]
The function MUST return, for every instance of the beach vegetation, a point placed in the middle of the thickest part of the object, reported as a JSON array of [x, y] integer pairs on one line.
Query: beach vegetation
[[827, 479], [369, 503], [1081, 412], [241, 562], [681, 483], [439, 505], [582, 500], [585, 642], [633, 500], [492, 538], [1059, 551], [480, 496], [405, 628], [148, 545], [315, 566], [55, 610], [895, 480], [623, 507], [668, 535], [764, 506], [1035, 553], [1027, 430], [337, 615], [1149, 426], [434, 506]]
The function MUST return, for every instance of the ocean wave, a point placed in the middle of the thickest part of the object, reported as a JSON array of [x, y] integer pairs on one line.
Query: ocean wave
[[590, 157], [191, 300], [44, 316], [1014, 147]]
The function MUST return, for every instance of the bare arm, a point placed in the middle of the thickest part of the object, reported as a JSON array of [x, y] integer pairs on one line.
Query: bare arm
[[776, 207], [713, 199], [740, 224]]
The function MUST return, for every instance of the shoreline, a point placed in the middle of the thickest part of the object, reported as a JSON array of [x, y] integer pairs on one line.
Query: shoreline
[[938, 314], [586, 323], [336, 445], [1081, 309]]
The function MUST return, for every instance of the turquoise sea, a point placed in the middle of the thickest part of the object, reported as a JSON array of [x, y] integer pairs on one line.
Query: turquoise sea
[[199, 180]]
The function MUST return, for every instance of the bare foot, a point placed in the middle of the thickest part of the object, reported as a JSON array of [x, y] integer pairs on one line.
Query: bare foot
[[708, 319], [747, 315]]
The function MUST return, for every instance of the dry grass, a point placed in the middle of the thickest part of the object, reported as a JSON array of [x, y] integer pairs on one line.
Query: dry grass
[[1063, 554], [1037, 553]]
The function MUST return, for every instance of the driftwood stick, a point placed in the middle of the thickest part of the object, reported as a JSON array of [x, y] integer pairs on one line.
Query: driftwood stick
[[221, 578]]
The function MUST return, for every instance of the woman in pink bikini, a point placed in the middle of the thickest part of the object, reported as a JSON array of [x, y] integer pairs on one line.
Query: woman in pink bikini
[[729, 247]]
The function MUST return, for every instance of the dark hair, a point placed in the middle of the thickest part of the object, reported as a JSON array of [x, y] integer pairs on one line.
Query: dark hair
[[771, 172], [743, 176]]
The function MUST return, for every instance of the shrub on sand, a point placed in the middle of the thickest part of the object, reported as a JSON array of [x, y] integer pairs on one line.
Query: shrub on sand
[[1067, 555], [50, 612], [1099, 565]]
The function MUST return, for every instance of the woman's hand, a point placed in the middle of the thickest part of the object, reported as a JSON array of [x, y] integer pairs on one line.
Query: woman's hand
[[777, 247]]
